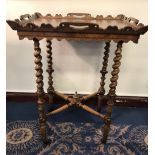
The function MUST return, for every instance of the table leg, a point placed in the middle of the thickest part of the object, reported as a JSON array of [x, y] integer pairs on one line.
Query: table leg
[[105, 130], [50, 70], [112, 90], [40, 91], [103, 72]]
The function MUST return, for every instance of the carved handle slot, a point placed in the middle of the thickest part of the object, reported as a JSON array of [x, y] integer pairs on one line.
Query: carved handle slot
[[79, 15], [78, 26]]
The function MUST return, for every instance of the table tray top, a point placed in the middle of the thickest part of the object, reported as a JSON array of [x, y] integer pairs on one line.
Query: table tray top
[[78, 26]]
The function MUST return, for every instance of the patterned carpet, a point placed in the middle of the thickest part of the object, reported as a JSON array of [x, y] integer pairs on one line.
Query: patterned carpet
[[75, 139]]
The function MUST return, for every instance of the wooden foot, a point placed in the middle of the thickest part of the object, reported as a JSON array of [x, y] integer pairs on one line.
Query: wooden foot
[[47, 142], [105, 131], [42, 122]]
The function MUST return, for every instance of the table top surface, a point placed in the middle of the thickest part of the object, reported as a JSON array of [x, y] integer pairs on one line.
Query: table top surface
[[78, 26]]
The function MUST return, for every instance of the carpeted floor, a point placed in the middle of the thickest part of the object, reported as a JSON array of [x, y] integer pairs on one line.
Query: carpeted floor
[[76, 132]]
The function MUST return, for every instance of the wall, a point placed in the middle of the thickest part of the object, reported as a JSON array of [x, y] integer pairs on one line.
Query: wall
[[76, 64]]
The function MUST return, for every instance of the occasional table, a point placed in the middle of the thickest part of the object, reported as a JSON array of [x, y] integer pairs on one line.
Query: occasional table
[[77, 26]]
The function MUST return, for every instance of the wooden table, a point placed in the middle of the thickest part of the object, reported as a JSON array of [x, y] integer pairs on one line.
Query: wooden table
[[77, 26]]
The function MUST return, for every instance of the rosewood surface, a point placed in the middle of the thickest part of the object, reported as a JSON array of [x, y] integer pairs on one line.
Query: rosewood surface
[[78, 26]]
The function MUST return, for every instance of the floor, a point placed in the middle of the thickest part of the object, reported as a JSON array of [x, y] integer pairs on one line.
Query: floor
[[128, 131]]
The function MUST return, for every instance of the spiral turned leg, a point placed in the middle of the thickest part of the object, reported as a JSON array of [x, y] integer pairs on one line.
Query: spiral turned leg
[[114, 78], [103, 72], [50, 70], [40, 91], [112, 90]]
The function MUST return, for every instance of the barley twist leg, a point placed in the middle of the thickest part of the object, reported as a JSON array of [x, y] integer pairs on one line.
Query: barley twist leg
[[40, 91], [112, 90], [103, 72], [50, 89]]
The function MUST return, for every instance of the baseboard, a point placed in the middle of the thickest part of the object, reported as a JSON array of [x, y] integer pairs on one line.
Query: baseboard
[[129, 101]]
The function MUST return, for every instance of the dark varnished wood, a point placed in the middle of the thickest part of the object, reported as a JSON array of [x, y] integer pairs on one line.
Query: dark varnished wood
[[78, 36], [77, 26], [50, 70], [105, 130], [114, 78], [40, 90], [103, 72], [112, 90]]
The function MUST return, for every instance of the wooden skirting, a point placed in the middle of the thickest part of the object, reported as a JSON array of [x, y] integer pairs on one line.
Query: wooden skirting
[[129, 101]]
